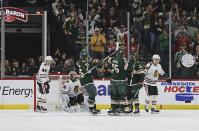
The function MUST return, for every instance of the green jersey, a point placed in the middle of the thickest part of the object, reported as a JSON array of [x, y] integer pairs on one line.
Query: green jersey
[[146, 20], [135, 73], [164, 42], [68, 24], [83, 68], [118, 68], [178, 56]]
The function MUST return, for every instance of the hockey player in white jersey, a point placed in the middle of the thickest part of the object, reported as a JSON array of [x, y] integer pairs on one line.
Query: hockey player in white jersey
[[153, 70], [43, 83], [72, 95]]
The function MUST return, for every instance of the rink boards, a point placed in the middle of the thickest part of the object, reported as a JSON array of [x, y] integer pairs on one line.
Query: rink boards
[[180, 94]]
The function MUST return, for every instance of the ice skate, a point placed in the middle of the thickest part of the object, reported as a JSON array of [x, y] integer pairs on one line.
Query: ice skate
[[154, 110], [112, 112], [93, 111], [65, 108], [146, 108], [120, 110], [137, 111], [98, 111], [38, 108], [43, 109]]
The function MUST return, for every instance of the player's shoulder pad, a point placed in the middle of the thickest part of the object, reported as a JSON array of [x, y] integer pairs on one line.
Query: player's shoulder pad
[[149, 64], [158, 65]]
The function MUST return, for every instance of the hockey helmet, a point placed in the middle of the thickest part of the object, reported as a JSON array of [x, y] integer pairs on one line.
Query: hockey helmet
[[83, 54], [156, 57], [48, 59], [83, 51]]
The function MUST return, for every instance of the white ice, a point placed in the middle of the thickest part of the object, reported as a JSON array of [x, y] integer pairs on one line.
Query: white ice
[[167, 120]]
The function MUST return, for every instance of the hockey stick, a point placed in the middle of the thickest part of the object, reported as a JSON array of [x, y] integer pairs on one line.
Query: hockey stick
[[134, 96], [117, 47]]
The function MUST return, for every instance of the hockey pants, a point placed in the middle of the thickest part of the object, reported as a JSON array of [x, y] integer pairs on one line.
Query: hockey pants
[[118, 91], [90, 88]]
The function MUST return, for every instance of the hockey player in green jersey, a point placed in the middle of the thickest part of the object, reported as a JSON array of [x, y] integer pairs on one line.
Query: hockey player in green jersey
[[86, 80], [118, 83], [135, 78]]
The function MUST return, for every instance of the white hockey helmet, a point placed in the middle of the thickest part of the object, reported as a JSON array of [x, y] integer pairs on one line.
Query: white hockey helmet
[[156, 57], [48, 58]]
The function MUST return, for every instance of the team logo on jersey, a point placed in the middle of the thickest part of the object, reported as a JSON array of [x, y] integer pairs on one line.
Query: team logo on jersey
[[156, 73], [12, 13]]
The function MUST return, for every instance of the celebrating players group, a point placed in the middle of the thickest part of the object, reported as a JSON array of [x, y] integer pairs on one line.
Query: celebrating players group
[[128, 77]]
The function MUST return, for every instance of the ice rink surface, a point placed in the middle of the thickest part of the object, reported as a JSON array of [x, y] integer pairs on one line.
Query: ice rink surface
[[167, 120]]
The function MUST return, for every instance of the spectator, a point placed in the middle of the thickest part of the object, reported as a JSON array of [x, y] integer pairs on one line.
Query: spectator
[[32, 68], [136, 12], [40, 60], [196, 39], [181, 70], [8, 70], [134, 45], [23, 69], [57, 56], [61, 16], [98, 43], [72, 64], [110, 48], [70, 9], [164, 43], [69, 25], [175, 23], [121, 35], [197, 61], [155, 45], [63, 57], [164, 49], [147, 24], [67, 67], [191, 49], [181, 37], [81, 37], [53, 68], [15, 68]]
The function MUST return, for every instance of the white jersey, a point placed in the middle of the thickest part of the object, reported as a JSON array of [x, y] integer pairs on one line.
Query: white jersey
[[69, 86], [152, 73], [43, 73]]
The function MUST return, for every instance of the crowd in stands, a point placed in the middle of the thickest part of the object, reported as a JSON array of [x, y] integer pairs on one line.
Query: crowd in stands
[[149, 31]]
